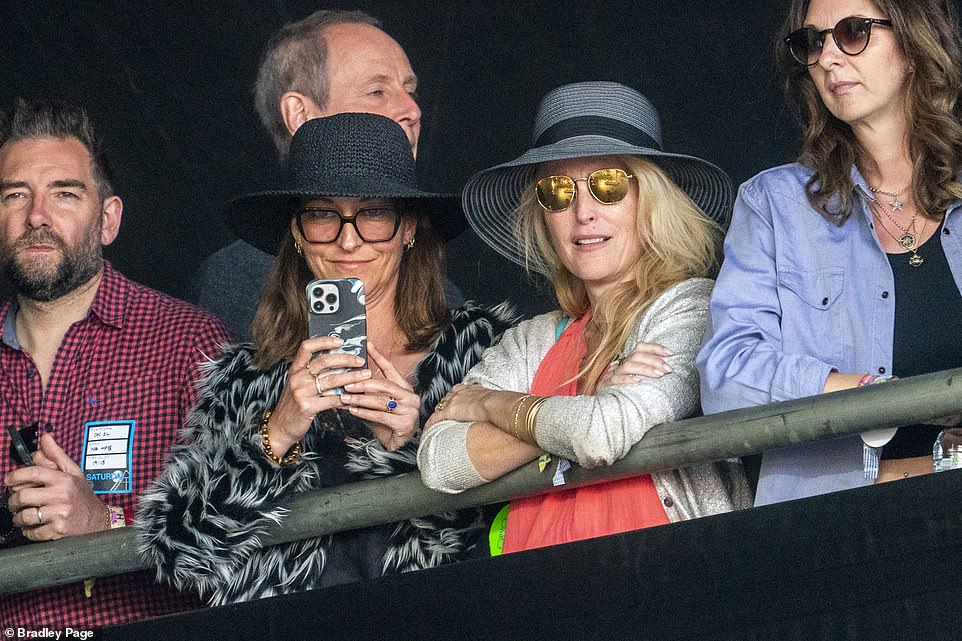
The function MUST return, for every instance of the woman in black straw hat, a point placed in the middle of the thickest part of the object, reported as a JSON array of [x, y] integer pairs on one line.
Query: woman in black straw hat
[[267, 425], [626, 232], [845, 268]]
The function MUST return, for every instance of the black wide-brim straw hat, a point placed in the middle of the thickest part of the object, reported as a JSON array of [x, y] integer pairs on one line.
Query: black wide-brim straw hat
[[578, 121], [352, 155]]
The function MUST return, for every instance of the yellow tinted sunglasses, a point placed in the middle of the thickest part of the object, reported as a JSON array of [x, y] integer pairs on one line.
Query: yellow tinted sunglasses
[[607, 186]]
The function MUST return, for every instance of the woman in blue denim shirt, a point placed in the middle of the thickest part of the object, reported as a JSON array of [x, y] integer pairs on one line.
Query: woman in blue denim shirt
[[845, 268]]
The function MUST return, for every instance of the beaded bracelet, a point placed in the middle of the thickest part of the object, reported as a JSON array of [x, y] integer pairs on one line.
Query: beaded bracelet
[[872, 379], [292, 456]]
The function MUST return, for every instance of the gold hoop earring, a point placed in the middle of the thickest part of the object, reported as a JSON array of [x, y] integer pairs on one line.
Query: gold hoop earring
[[298, 248], [408, 245]]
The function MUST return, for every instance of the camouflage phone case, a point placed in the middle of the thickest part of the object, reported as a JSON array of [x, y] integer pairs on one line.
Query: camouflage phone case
[[344, 317]]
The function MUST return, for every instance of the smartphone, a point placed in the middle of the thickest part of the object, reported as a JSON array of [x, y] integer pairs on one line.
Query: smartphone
[[336, 307], [19, 448]]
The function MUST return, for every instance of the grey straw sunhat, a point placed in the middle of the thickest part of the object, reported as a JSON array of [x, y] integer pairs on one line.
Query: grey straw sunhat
[[354, 155], [577, 121]]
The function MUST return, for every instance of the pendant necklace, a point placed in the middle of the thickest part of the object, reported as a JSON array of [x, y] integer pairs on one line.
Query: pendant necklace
[[895, 203], [907, 239], [390, 354], [914, 260]]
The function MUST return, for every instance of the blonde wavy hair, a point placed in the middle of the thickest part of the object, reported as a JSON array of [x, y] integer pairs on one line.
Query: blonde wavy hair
[[678, 241]]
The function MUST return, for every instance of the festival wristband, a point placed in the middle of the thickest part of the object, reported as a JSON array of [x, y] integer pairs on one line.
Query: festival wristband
[[118, 518]]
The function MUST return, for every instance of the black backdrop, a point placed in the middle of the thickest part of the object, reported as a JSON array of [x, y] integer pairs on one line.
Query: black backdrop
[[877, 562], [169, 84]]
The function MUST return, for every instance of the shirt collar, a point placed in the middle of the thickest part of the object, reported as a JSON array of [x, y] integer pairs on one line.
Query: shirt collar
[[111, 299], [108, 306], [862, 193], [859, 181], [9, 336]]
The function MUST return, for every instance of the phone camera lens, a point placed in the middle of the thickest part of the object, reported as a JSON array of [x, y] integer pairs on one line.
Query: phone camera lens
[[318, 306], [331, 298], [318, 292]]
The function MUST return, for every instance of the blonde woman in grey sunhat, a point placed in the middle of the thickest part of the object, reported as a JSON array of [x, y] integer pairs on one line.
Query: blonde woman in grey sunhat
[[626, 232]]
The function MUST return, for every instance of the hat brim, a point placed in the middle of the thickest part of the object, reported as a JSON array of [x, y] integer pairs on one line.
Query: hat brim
[[491, 197], [262, 218]]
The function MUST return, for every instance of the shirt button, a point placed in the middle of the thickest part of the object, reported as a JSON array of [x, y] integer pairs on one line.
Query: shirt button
[[668, 502], [824, 302], [885, 294], [881, 370]]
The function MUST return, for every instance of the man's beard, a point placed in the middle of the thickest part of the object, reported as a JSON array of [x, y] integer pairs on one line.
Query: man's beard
[[36, 280]]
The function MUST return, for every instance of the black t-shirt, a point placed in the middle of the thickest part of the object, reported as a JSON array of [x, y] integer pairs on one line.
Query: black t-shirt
[[928, 332]]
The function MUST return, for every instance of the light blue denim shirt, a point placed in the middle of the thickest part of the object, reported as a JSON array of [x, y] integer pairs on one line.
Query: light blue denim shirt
[[797, 298]]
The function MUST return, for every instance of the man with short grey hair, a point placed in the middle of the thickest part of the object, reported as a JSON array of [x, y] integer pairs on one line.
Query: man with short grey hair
[[330, 62]]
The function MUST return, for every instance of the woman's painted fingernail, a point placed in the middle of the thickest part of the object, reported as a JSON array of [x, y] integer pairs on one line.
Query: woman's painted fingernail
[[366, 373], [345, 397]]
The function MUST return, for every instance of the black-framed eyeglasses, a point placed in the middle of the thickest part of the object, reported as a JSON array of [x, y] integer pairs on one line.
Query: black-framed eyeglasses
[[850, 34], [372, 224]]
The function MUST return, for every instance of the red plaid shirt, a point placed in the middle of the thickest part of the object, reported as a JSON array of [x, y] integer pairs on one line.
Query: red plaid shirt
[[133, 357]]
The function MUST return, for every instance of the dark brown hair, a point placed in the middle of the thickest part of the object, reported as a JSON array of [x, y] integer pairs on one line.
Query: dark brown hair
[[421, 313], [927, 31], [54, 118]]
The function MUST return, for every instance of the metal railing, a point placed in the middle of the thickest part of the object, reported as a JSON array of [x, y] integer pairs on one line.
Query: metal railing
[[707, 438]]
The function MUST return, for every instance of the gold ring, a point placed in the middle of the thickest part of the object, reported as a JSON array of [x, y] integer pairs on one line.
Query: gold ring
[[307, 366], [317, 384], [439, 406], [39, 515]]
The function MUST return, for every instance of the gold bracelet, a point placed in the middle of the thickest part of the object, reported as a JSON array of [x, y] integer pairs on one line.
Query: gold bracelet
[[517, 412], [293, 455], [529, 419]]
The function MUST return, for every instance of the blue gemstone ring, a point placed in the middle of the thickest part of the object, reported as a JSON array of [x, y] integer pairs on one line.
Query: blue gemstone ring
[[391, 404]]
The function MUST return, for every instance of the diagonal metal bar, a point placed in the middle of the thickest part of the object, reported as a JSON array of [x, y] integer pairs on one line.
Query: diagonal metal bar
[[706, 438]]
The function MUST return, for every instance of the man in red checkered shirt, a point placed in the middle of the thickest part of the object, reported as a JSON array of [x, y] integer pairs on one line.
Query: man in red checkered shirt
[[95, 370]]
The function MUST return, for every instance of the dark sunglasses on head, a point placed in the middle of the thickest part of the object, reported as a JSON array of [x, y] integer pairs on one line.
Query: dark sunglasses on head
[[608, 186], [373, 224], [850, 34]]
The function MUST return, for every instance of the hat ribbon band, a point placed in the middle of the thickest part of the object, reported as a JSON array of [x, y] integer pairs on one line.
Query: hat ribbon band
[[596, 126]]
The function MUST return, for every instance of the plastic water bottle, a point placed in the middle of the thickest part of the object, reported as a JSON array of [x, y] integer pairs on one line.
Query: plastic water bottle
[[947, 450]]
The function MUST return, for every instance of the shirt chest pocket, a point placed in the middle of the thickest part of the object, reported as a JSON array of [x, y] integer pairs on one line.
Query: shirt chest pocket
[[811, 312], [123, 400]]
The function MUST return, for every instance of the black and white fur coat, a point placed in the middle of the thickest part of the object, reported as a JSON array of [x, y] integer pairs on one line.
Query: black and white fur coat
[[200, 523]]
